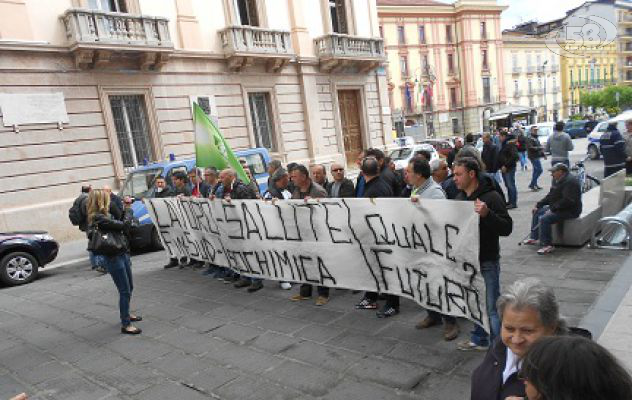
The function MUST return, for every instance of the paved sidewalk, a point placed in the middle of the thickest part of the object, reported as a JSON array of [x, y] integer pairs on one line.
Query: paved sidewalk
[[59, 336]]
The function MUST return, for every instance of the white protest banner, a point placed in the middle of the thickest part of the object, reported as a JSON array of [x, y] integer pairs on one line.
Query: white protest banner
[[426, 251]]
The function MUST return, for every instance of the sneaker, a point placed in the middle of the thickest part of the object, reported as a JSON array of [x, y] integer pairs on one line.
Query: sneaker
[[428, 322], [322, 300], [286, 285], [533, 188], [530, 242], [470, 346], [299, 297], [387, 311], [242, 283], [546, 250], [366, 304], [258, 285], [451, 331]]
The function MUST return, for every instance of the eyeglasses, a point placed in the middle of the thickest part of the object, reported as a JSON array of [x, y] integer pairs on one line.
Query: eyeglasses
[[337, 170]]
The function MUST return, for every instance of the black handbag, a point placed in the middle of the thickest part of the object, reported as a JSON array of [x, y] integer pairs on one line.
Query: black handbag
[[107, 243]]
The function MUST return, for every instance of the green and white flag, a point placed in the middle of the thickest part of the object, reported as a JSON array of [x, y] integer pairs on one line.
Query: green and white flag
[[211, 149]]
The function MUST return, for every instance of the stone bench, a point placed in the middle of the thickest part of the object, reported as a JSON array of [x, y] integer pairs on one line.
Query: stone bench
[[577, 231]]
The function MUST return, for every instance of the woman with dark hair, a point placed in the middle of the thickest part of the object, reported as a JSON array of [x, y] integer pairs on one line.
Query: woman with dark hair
[[572, 368], [528, 311], [119, 265]]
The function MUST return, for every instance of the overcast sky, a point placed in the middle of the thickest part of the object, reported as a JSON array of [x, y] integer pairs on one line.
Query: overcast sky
[[542, 10]]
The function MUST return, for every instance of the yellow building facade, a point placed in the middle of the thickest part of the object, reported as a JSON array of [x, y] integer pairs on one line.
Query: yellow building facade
[[445, 63], [586, 67]]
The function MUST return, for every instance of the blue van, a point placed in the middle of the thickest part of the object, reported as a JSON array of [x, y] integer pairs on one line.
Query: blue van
[[140, 184]]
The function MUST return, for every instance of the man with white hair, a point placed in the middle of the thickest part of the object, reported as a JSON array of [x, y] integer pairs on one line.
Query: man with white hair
[[439, 170]]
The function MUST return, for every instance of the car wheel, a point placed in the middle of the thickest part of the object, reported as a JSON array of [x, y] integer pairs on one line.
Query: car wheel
[[18, 268], [156, 244], [593, 152]]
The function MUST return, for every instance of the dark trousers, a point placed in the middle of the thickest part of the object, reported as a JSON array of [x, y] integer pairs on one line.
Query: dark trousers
[[120, 269], [437, 316], [306, 290], [391, 300]]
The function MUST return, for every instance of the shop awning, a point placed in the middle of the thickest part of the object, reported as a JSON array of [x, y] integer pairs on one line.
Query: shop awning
[[498, 116]]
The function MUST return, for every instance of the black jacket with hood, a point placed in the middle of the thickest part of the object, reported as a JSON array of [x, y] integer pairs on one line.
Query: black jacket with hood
[[564, 198], [497, 223]]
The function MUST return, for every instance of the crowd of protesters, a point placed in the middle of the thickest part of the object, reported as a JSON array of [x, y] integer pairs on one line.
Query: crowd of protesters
[[530, 351]]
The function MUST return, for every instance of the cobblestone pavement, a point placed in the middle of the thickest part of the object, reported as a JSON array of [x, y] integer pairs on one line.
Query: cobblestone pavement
[[59, 336]]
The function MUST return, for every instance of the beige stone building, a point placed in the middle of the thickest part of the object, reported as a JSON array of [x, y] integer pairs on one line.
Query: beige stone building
[[532, 75], [453, 54], [91, 88]]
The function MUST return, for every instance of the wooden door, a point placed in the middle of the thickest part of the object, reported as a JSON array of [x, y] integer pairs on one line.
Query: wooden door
[[350, 122]]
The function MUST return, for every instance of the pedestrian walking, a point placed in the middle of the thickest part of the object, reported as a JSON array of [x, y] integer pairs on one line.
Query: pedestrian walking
[[559, 145], [507, 159], [521, 146], [494, 222], [612, 147], [489, 155], [535, 152], [109, 241]]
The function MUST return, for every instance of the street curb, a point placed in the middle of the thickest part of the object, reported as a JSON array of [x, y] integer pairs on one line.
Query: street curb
[[608, 302], [65, 263]]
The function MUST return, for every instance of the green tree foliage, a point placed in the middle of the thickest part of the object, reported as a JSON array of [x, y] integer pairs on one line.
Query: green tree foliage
[[607, 98]]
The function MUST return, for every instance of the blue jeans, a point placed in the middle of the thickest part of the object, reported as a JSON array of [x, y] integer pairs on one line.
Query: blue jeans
[[491, 275], [541, 225], [510, 182], [95, 260], [523, 158], [537, 171], [120, 269]]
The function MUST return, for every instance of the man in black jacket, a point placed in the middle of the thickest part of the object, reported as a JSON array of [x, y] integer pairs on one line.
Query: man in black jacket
[[385, 172], [341, 187], [375, 187], [535, 152], [564, 201], [489, 155], [507, 159], [494, 222]]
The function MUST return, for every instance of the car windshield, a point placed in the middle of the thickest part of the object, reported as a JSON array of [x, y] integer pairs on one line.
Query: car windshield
[[544, 131], [400, 154], [140, 183]]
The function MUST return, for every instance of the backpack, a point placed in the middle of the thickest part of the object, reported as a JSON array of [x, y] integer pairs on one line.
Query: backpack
[[76, 213]]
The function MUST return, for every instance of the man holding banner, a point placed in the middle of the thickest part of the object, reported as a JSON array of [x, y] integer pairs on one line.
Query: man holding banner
[[494, 222]]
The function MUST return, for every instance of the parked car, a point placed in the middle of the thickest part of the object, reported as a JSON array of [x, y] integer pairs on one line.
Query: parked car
[[443, 146], [140, 184], [594, 138], [402, 156], [545, 129], [23, 253], [579, 129]]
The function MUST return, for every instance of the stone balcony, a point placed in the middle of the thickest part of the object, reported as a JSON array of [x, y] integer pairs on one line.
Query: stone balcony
[[244, 45], [95, 37], [516, 70], [336, 51]]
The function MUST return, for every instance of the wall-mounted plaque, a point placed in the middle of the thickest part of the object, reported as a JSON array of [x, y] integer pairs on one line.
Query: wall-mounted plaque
[[36, 108]]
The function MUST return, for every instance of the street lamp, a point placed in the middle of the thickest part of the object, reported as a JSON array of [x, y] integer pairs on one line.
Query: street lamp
[[545, 97]]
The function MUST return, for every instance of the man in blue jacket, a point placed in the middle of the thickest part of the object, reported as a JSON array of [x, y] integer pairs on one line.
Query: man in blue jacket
[[612, 146]]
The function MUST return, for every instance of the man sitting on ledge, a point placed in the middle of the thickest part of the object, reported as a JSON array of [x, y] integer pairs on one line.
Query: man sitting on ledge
[[564, 201]]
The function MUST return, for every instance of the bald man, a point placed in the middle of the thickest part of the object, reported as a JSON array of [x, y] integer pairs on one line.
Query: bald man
[[341, 186]]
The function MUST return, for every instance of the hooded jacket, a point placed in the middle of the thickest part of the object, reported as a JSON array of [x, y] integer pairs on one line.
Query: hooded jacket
[[564, 198], [497, 223]]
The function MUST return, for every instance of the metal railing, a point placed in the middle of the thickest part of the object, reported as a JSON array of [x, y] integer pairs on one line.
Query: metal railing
[[531, 69], [94, 27], [516, 70], [255, 40], [338, 45]]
